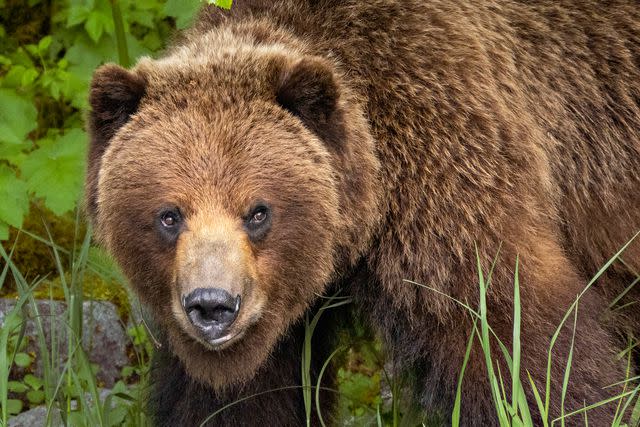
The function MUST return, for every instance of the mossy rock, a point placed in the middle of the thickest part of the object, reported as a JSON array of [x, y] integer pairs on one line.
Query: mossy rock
[[34, 258]]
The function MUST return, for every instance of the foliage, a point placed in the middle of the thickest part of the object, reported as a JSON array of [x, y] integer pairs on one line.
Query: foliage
[[27, 387], [44, 82], [70, 391]]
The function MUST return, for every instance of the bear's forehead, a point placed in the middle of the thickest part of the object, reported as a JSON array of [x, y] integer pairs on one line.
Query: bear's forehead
[[209, 126], [241, 132], [223, 156]]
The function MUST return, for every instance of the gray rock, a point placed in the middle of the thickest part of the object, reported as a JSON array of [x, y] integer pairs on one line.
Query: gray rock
[[102, 334], [37, 416]]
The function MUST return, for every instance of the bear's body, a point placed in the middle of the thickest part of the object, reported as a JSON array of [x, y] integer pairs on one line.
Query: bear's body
[[387, 139]]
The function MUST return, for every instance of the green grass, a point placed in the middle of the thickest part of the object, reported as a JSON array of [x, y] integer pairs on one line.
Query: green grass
[[514, 410], [71, 391]]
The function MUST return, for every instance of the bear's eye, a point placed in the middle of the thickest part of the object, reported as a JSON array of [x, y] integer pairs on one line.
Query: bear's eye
[[170, 219], [259, 216], [258, 222]]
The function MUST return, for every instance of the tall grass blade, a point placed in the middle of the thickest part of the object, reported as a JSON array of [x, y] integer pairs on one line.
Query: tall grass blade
[[515, 371], [486, 346], [594, 405], [567, 370], [635, 412], [539, 402], [457, 404], [306, 351], [319, 383]]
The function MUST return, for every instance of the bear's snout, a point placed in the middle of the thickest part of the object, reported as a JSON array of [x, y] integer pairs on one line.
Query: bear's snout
[[211, 311], [216, 296]]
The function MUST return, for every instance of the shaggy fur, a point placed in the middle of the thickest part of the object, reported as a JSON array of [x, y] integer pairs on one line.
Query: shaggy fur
[[390, 138]]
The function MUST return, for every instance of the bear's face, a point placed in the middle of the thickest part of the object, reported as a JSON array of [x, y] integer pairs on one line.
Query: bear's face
[[219, 187]]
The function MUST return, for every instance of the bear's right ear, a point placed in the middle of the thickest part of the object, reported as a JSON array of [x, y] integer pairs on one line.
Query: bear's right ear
[[115, 95], [309, 90]]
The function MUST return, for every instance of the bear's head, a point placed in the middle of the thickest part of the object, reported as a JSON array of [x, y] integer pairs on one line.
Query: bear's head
[[231, 181]]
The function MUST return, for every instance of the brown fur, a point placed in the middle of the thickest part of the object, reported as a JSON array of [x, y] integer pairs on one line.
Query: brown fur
[[390, 137]]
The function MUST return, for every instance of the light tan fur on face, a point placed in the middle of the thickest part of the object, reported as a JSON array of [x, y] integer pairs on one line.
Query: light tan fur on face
[[214, 252]]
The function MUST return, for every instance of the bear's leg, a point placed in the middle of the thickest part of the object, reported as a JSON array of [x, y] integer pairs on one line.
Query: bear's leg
[[432, 343], [176, 399]]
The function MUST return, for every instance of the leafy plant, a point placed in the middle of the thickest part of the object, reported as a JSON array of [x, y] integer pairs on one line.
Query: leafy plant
[[30, 386], [44, 86]]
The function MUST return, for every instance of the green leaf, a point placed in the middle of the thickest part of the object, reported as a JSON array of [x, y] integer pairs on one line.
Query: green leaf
[[21, 57], [182, 10], [225, 4], [55, 170], [118, 415], [4, 230], [77, 418], [14, 153], [136, 48], [13, 193], [32, 381], [35, 396], [17, 387], [77, 15], [76, 90], [152, 5], [17, 117], [95, 25], [127, 371], [44, 44], [84, 56], [29, 77], [14, 406], [142, 17], [15, 77], [23, 360], [32, 49]]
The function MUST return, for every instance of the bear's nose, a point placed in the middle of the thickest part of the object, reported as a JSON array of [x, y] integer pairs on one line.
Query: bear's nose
[[211, 311]]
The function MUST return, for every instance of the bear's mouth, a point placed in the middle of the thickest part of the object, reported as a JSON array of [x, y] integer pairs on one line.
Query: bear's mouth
[[241, 327], [237, 329], [223, 342]]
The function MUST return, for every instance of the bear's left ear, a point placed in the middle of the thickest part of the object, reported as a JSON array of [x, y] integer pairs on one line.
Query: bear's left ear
[[308, 89], [115, 95]]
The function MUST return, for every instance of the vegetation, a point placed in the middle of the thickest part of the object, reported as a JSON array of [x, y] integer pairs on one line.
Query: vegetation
[[48, 51]]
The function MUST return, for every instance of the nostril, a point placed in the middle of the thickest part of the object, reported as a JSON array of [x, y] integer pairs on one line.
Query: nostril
[[211, 307], [207, 313]]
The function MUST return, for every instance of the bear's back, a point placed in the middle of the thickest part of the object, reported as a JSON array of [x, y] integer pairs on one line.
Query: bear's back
[[486, 98]]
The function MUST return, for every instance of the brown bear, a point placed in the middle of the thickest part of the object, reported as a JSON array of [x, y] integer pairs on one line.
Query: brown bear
[[284, 149]]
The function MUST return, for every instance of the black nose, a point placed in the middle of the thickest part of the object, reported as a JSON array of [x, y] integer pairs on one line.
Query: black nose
[[211, 311]]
